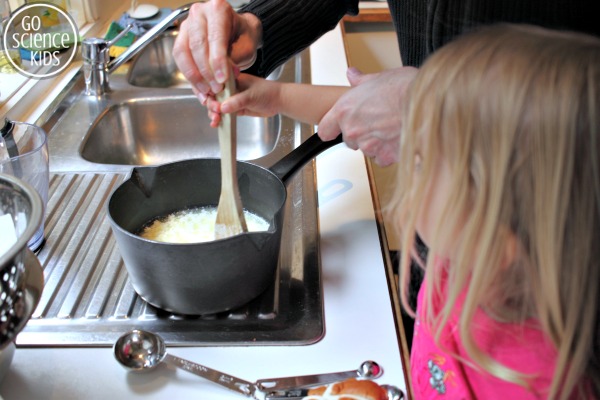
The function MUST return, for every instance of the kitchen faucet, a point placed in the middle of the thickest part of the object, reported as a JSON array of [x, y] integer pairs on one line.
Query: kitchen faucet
[[97, 65]]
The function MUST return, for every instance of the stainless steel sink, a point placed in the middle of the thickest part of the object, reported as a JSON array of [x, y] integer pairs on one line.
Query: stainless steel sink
[[162, 129], [149, 126], [155, 66], [150, 116], [94, 141]]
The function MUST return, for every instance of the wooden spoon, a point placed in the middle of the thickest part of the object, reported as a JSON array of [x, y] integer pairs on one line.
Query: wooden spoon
[[230, 213]]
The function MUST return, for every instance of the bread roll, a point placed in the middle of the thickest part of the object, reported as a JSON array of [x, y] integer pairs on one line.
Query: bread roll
[[351, 389]]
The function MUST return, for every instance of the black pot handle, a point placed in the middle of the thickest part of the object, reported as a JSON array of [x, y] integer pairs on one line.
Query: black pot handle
[[294, 161]]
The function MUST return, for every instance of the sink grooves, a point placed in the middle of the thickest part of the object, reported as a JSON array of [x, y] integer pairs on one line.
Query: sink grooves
[[89, 301]]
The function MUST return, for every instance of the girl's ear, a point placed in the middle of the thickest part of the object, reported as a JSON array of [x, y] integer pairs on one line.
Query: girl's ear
[[511, 249]]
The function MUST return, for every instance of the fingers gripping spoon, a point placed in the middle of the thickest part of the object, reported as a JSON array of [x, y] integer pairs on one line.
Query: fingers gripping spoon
[[230, 213]]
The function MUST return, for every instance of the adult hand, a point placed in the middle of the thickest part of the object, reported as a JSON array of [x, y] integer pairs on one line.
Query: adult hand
[[370, 114], [211, 36]]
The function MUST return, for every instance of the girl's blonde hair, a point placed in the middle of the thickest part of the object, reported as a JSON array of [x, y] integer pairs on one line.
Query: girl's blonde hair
[[514, 112]]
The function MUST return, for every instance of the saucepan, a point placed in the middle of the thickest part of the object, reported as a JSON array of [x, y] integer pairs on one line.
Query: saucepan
[[207, 277]]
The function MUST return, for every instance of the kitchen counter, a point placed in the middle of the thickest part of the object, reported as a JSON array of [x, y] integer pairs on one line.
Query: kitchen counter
[[359, 317]]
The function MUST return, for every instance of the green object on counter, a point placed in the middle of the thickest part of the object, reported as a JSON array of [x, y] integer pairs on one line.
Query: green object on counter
[[122, 44]]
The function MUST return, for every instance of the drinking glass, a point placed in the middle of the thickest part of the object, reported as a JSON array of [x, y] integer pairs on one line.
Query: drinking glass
[[24, 154]]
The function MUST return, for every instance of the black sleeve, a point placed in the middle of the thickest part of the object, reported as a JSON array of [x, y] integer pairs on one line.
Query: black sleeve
[[424, 26], [290, 26]]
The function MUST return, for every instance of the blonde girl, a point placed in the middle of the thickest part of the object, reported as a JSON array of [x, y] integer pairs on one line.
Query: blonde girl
[[500, 176]]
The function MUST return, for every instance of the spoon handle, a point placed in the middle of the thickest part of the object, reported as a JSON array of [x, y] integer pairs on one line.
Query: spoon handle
[[223, 379], [230, 212], [367, 370]]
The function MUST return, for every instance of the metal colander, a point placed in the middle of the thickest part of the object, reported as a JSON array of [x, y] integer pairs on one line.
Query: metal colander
[[23, 204], [12, 301]]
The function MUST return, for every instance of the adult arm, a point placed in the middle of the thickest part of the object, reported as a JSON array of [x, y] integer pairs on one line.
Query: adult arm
[[291, 26]]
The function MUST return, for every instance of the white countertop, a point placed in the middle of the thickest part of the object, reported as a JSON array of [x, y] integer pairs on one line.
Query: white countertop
[[358, 314]]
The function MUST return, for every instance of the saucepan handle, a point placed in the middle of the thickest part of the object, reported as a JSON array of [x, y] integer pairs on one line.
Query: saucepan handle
[[312, 147]]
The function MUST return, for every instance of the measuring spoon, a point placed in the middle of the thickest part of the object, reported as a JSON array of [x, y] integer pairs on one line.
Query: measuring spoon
[[140, 350], [367, 370], [393, 393]]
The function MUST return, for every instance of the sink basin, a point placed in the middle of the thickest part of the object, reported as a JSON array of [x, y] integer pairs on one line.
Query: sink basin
[[151, 117], [157, 130], [134, 125], [155, 66]]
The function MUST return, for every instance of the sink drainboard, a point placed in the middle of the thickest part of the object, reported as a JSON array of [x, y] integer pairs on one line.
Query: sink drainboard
[[89, 301]]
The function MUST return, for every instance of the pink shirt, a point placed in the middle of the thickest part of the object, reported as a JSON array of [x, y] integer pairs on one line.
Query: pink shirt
[[436, 374]]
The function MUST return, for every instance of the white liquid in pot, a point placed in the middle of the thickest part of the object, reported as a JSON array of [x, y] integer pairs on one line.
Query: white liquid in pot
[[195, 225]]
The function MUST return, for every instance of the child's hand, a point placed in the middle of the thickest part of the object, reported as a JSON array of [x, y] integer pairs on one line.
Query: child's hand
[[256, 97]]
